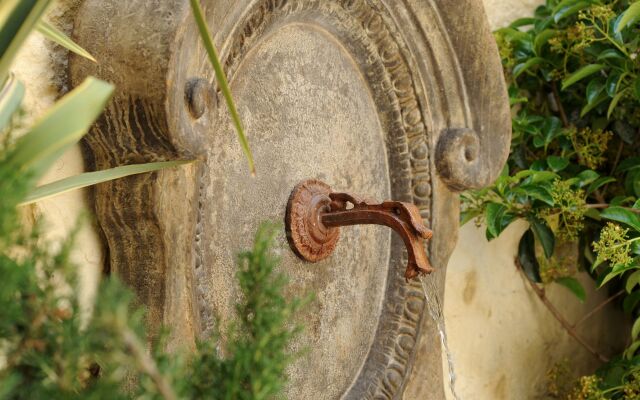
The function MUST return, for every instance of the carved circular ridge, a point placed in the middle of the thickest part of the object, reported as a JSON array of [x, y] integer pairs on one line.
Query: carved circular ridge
[[366, 28]]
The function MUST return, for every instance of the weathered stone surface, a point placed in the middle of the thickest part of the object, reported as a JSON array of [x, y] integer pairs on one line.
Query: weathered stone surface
[[389, 99]]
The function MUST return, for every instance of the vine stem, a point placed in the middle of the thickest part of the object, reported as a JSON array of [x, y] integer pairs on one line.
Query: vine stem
[[598, 308], [556, 97], [540, 292], [605, 205], [147, 364]]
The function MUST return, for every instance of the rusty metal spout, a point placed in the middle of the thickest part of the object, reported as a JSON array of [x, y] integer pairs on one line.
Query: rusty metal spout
[[315, 213]]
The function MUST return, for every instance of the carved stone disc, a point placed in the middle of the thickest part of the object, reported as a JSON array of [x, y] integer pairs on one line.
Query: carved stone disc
[[377, 97]]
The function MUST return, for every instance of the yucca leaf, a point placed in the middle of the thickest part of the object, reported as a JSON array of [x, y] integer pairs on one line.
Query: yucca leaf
[[61, 127], [222, 80], [10, 99], [92, 178], [17, 20], [52, 33]]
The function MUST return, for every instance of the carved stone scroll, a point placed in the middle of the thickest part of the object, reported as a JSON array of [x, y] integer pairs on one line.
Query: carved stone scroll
[[389, 98]]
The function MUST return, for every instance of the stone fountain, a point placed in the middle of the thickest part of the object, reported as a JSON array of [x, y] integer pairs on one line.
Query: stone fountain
[[391, 99]]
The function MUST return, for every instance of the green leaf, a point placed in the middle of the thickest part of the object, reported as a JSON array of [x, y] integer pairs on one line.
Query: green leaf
[[614, 102], [17, 20], [596, 102], [635, 330], [92, 178], [536, 192], [636, 88], [617, 270], [631, 350], [222, 80], [542, 38], [599, 183], [571, 8], [622, 215], [52, 33], [594, 88], [628, 164], [527, 256], [631, 301], [611, 54], [613, 82], [544, 234], [580, 74], [61, 127], [543, 176], [574, 286], [494, 214], [629, 17], [468, 215], [522, 22], [586, 177], [557, 163], [632, 281], [523, 67], [11, 97]]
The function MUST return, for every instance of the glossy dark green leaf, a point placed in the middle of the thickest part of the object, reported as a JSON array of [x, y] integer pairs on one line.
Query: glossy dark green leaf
[[544, 234], [611, 54], [594, 88], [468, 215], [625, 131], [542, 39], [622, 215], [586, 177], [574, 286], [617, 270], [598, 183], [614, 102], [631, 301], [569, 10], [582, 73], [628, 164], [632, 281], [494, 213], [601, 98], [630, 16], [635, 329], [621, 200], [527, 256], [536, 192], [522, 22], [524, 67], [612, 84], [557, 163], [542, 176]]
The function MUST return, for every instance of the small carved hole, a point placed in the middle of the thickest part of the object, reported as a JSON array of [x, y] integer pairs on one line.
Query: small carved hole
[[348, 206], [468, 154]]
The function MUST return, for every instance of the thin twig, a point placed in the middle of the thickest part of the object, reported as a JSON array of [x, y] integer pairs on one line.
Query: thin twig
[[540, 292], [147, 364], [556, 97], [598, 308], [605, 205]]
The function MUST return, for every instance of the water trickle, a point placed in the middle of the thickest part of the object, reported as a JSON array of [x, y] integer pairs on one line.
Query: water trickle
[[434, 306]]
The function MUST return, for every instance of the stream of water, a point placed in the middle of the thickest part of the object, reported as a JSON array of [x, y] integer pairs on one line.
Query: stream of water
[[434, 306]]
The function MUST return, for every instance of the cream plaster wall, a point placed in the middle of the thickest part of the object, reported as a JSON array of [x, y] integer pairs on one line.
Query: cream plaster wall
[[502, 339]]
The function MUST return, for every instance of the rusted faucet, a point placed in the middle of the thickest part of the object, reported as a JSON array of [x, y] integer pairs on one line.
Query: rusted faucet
[[315, 213]]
